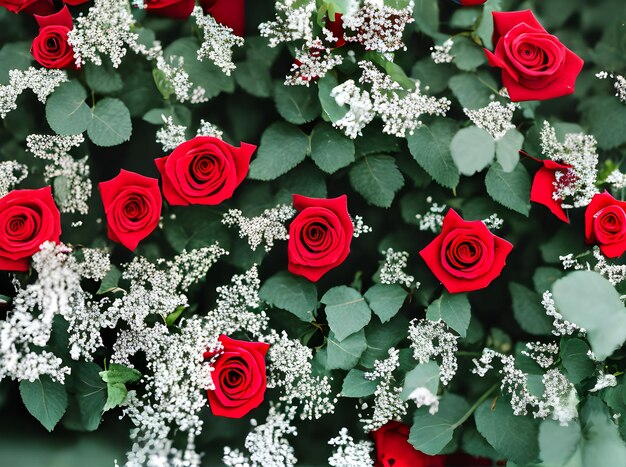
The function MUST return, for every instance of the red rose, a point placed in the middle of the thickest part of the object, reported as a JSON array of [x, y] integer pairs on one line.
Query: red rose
[[465, 256], [230, 13], [30, 7], [319, 236], [393, 448], [336, 27], [204, 170], [177, 9], [50, 47], [74, 2], [605, 224], [28, 218], [535, 65], [238, 376], [469, 2], [542, 190], [132, 204]]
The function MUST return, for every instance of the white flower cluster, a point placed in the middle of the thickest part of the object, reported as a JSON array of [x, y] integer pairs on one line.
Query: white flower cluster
[[561, 326], [177, 79], [432, 339], [543, 354], [361, 108], [313, 61], [616, 179], [263, 229], [493, 222], [578, 151], [558, 400], [107, 30], [387, 402], [267, 443], [209, 129], [377, 26], [423, 397], [41, 81], [290, 369], [11, 173], [360, 227], [495, 118], [441, 53], [433, 219], [218, 41], [73, 174], [292, 22], [604, 381], [170, 135], [392, 270], [614, 273], [620, 84], [348, 453]]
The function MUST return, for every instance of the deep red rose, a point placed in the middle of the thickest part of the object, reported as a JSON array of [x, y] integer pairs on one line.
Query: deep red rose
[[535, 65], [230, 13], [204, 170], [238, 376], [319, 236], [465, 256], [74, 2], [177, 9], [543, 187], [605, 224], [394, 450], [336, 27], [29, 7], [469, 2], [50, 47], [28, 218], [132, 204]]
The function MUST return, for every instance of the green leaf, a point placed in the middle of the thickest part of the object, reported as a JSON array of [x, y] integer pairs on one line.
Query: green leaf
[[430, 147], [292, 293], [46, 400], [355, 385], [453, 309], [346, 311], [283, 146], [467, 55], [381, 337], [472, 149], [529, 312], [507, 149], [544, 277], [385, 300], [345, 354], [473, 89], [515, 438], [174, 315], [601, 441], [110, 124], [431, 433], [485, 28], [325, 85], [116, 395], [330, 149], [424, 375], [110, 281], [66, 111], [426, 14], [510, 189], [557, 443], [14, 56], [120, 374], [297, 104], [575, 360], [377, 178], [581, 291], [103, 78], [605, 116], [255, 79], [91, 394]]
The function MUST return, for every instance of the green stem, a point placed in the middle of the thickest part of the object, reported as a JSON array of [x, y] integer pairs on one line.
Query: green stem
[[473, 408]]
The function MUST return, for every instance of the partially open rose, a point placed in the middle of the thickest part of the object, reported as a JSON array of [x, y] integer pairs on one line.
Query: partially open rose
[[238, 376], [319, 236], [535, 64], [605, 224], [542, 190], [393, 448], [28, 218], [50, 48], [29, 7], [465, 256]]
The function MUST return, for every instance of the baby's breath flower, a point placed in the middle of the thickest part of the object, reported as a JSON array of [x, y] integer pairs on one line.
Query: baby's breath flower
[[360, 227], [208, 129], [495, 119], [431, 339], [312, 62], [392, 270], [543, 354], [361, 108], [348, 453], [41, 81], [293, 22], [11, 173], [604, 381], [441, 53], [266, 228], [170, 135], [620, 83], [561, 326], [218, 41]]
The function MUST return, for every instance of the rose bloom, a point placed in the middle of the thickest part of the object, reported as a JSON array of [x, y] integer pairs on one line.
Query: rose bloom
[[28, 218], [230, 13], [204, 170], [605, 224], [176, 9], [29, 7], [50, 48], [535, 65], [469, 2], [132, 204], [319, 236], [542, 190], [465, 256], [394, 450], [238, 376]]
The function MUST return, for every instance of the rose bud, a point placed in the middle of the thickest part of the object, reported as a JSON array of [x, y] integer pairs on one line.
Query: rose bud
[[465, 256], [50, 48], [204, 170], [319, 236], [394, 450], [535, 64], [605, 224], [238, 376], [28, 218]]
